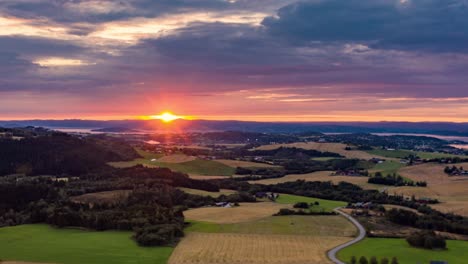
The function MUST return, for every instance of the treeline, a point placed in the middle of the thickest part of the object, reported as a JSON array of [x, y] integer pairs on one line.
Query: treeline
[[58, 153], [153, 209], [394, 180], [429, 219], [427, 240]]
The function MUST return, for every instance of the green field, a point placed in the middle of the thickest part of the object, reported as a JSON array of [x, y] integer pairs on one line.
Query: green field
[[325, 205], [325, 158], [282, 225], [198, 166], [401, 153], [456, 253], [387, 167], [42, 243]]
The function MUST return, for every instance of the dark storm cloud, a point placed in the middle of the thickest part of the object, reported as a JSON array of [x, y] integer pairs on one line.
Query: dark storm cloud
[[94, 11], [433, 25], [38, 46]]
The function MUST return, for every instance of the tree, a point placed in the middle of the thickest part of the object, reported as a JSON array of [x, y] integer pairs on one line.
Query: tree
[[373, 260], [353, 260], [363, 260], [394, 260], [384, 261]]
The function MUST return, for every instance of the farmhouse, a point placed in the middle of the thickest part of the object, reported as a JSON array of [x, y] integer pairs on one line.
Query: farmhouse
[[269, 195]]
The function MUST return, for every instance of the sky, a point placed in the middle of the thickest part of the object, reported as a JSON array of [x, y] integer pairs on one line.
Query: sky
[[262, 60]]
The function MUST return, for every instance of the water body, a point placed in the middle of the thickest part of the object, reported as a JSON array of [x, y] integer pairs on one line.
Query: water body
[[448, 138]]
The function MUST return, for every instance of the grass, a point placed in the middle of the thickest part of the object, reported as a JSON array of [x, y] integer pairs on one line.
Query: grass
[[387, 167], [325, 205], [401, 153], [198, 166], [206, 193], [393, 247], [325, 158], [42, 243], [281, 225]]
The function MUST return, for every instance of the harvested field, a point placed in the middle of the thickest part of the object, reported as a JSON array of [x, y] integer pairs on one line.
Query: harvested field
[[176, 158], [243, 213], [109, 197], [246, 164], [450, 190], [209, 248], [206, 193], [431, 173], [321, 176], [329, 147]]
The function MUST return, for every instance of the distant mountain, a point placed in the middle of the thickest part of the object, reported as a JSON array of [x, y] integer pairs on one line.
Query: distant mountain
[[437, 128]]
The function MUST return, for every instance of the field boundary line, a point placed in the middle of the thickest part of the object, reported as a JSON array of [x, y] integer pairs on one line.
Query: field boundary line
[[362, 234]]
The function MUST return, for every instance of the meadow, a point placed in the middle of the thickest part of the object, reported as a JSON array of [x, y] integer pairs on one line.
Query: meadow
[[402, 153], [393, 247], [197, 166], [42, 243], [324, 205], [339, 148], [206, 193], [322, 176], [178, 162], [245, 212], [387, 167], [321, 225]]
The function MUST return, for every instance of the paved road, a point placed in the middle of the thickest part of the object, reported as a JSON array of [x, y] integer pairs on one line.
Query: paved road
[[361, 236]]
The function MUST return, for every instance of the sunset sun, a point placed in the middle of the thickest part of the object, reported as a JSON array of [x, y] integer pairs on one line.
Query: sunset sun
[[166, 117]]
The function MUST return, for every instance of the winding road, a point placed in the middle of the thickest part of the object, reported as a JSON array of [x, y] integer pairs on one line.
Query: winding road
[[362, 234]]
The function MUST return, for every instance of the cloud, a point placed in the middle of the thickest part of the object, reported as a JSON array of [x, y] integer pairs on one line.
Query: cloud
[[432, 25]]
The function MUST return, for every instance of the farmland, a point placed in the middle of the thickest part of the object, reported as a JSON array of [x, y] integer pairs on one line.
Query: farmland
[[390, 247], [325, 147], [228, 248], [206, 193], [243, 213], [322, 176], [197, 166], [325, 205], [250, 234], [387, 167], [246, 164], [450, 190], [107, 197], [41, 243], [282, 225], [401, 153]]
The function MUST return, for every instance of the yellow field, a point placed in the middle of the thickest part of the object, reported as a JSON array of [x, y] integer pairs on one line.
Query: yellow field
[[321, 176], [206, 193], [246, 164], [252, 249], [330, 147], [451, 191], [176, 158], [243, 213]]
